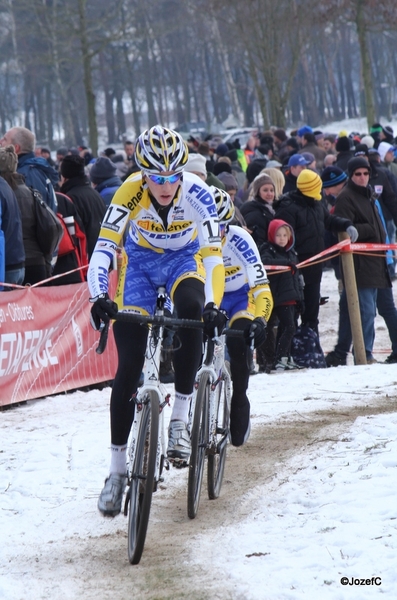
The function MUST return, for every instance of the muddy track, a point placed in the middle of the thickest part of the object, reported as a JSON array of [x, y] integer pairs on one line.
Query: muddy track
[[97, 568]]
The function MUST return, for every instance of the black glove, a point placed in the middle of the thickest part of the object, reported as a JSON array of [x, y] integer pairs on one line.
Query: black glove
[[236, 144], [293, 267], [213, 319], [102, 310], [256, 331], [323, 300], [300, 307]]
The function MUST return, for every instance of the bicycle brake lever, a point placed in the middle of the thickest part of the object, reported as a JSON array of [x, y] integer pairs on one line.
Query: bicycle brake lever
[[103, 340]]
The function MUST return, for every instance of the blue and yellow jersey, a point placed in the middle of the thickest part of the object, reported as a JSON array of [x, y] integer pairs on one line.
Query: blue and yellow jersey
[[191, 226], [244, 269]]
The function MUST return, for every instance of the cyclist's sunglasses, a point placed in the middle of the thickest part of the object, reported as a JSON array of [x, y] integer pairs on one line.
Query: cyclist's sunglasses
[[162, 179]]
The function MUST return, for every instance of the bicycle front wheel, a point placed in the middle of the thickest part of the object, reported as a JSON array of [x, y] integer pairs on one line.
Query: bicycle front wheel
[[142, 477], [199, 440], [217, 454]]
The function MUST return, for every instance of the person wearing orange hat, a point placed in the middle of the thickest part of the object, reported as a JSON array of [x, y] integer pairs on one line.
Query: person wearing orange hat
[[307, 213]]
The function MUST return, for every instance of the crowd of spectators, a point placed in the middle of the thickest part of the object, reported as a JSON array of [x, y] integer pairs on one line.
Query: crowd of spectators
[[264, 179]]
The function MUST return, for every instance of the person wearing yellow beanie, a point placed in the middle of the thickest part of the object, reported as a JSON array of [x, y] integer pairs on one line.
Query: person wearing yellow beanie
[[310, 184], [309, 217]]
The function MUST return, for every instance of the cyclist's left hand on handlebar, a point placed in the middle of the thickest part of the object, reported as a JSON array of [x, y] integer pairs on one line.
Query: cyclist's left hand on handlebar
[[213, 319], [102, 310], [256, 331]]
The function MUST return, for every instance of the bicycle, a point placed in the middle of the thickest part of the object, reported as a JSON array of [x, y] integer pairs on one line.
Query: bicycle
[[147, 447], [210, 416]]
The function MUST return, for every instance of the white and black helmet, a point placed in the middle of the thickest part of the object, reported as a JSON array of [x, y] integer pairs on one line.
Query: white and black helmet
[[224, 205], [160, 149]]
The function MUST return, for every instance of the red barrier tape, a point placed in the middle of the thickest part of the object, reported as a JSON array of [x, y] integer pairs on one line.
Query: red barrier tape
[[343, 246]]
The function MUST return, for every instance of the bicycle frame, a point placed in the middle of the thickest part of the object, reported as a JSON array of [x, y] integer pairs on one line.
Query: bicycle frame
[[214, 365], [147, 440], [151, 373]]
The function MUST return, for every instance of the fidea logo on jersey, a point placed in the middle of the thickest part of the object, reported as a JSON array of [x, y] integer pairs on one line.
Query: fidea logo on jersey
[[205, 198]]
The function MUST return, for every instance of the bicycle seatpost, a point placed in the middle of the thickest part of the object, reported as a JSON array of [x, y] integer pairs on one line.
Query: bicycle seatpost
[[161, 298]]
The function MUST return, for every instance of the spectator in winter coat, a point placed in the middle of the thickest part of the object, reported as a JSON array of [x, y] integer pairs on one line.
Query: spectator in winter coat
[[384, 185], [329, 160], [311, 160], [309, 217], [301, 132], [386, 134], [329, 144], [296, 164], [123, 167], [197, 164], [357, 202], [46, 154], [231, 186], [35, 262], [375, 131], [309, 144], [386, 153], [259, 211], [368, 140], [11, 225], [286, 289], [253, 169], [60, 155], [278, 179], [104, 178], [36, 170], [280, 143], [291, 148], [334, 180], [74, 256], [88, 202], [237, 170], [85, 153], [344, 152]]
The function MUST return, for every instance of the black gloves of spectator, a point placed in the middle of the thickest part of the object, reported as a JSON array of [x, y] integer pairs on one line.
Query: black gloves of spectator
[[256, 331], [214, 319], [102, 310], [293, 267]]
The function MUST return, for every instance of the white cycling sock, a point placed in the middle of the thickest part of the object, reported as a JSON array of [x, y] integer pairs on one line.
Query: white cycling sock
[[180, 410], [118, 459]]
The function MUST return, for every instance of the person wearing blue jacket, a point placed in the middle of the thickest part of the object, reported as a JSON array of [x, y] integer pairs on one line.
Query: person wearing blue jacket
[[11, 225], [104, 179], [38, 173]]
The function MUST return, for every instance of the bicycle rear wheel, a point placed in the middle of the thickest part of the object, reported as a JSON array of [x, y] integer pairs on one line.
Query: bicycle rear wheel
[[142, 477], [217, 455], [199, 446]]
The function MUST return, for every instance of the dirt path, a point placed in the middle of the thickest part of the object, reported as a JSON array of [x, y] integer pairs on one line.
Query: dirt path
[[97, 568]]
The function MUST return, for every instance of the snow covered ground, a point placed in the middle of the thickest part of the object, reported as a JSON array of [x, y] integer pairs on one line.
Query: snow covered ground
[[326, 511]]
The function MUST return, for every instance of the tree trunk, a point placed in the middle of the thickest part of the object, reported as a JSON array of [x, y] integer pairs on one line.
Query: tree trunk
[[365, 65], [147, 81], [50, 115], [224, 58], [108, 91], [88, 84]]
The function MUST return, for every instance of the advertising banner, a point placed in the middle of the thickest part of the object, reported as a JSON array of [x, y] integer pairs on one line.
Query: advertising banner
[[47, 345]]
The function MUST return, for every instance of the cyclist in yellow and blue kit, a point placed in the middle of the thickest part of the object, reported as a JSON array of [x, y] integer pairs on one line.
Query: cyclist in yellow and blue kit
[[248, 303], [173, 240]]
